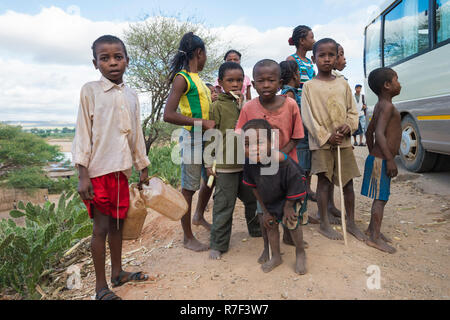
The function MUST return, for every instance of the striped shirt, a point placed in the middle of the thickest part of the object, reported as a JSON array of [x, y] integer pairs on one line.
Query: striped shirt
[[195, 102], [307, 71]]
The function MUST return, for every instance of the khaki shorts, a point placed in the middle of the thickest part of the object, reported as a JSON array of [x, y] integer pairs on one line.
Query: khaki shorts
[[326, 161]]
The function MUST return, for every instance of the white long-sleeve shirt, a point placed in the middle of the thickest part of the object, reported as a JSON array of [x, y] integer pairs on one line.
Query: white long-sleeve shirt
[[108, 135]]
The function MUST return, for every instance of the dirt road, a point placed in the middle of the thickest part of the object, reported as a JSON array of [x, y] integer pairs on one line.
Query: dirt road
[[418, 224]]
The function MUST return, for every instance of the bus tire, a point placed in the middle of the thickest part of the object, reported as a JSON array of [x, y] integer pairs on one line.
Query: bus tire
[[412, 154]]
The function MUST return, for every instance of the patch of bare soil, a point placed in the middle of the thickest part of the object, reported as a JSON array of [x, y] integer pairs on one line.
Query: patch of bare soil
[[417, 223]]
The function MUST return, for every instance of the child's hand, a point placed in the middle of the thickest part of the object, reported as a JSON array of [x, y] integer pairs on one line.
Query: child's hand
[[290, 214], [391, 168], [344, 129], [208, 124], [210, 172], [85, 189], [336, 139], [142, 177], [268, 220]]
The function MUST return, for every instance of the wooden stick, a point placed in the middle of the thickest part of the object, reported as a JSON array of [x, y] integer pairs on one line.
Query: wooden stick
[[344, 228], [211, 178]]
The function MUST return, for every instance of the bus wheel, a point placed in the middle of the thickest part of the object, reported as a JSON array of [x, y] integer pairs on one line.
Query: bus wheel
[[412, 154]]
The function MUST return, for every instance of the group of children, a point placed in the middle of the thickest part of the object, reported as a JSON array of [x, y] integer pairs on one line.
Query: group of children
[[299, 130]]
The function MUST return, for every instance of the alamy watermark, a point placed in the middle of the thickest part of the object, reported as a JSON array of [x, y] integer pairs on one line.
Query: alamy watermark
[[373, 282], [191, 150]]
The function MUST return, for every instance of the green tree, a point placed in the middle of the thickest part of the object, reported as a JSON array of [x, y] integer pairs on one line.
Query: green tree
[[19, 149], [151, 44]]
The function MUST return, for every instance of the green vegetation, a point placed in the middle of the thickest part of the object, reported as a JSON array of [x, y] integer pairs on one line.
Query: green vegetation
[[29, 254], [22, 156], [161, 165], [151, 44], [64, 133]]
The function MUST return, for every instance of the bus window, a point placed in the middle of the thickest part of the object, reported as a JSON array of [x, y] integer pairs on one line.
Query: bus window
[[373, 50], [405, 30], [442, 20]]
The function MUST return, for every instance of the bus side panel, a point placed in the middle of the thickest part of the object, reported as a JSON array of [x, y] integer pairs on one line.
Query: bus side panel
[[422, 78], [432, 116]]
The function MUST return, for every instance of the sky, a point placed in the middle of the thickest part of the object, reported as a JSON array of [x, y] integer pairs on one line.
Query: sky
[[45, 55]]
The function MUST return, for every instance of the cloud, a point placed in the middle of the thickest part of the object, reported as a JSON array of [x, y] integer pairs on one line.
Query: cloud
[[46, 58], [52, 36]]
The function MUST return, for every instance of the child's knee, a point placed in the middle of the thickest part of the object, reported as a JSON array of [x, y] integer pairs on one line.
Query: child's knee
[[100, 231]]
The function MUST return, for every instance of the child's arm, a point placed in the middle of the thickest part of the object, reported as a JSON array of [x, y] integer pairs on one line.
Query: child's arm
[[85, 189], [171, 115], [370, 135], [139, 152], [318, 132], [380, 138], [268, 219], [81, 148], [214, 115], [289, 212], [249, 93], [290, 145]]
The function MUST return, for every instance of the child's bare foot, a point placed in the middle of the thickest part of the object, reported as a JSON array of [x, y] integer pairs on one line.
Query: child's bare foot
[[334, 220], [358, 234], [382, 236], [381, 245], [271, 264], [195, 245], [328, 232], [215, 254], [300, 264], [200, 221], [315, 219], [264, 256], [334, 211]]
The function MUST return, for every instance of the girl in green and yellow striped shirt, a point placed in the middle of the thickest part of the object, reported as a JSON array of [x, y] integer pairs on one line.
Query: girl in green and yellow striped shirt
[[193, 97]]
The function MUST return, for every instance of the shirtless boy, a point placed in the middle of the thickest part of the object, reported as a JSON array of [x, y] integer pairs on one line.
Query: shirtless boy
[[383, 140]]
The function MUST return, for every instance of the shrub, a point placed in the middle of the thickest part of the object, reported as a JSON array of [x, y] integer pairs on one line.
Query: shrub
[[26, 252]]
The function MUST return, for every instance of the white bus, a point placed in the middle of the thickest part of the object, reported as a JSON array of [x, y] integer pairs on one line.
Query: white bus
[[413, 38]]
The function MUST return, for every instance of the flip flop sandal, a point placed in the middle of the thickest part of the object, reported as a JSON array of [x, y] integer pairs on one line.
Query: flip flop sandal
[[106, 294], [134, 276]]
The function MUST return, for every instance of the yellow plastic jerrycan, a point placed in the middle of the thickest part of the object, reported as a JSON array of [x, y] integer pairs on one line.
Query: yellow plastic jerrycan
[[164, 198], [137, 212]]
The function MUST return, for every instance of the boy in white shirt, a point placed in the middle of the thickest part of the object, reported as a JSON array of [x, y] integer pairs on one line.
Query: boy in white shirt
[[108, 142]]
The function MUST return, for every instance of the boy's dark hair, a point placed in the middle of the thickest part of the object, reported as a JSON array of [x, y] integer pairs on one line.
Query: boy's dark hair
[[232, 51], [378, 77], [229, 66], [188, 44], [107, 39], [358, 86], [266, 63], [299, 32], [323, 41], [288, 70], [259, 124], [209, 85]]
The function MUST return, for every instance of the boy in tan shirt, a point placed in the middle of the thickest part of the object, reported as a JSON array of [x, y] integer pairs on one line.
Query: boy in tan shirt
[[329, 112], [108, 142]]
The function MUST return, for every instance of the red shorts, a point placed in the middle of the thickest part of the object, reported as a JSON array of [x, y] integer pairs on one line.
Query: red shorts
[[110, 192]]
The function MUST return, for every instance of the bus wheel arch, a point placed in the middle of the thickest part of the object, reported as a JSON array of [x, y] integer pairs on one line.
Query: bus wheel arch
[[412, 154]]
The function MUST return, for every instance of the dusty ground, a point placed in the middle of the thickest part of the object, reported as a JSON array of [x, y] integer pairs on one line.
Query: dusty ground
[[417, 222]]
